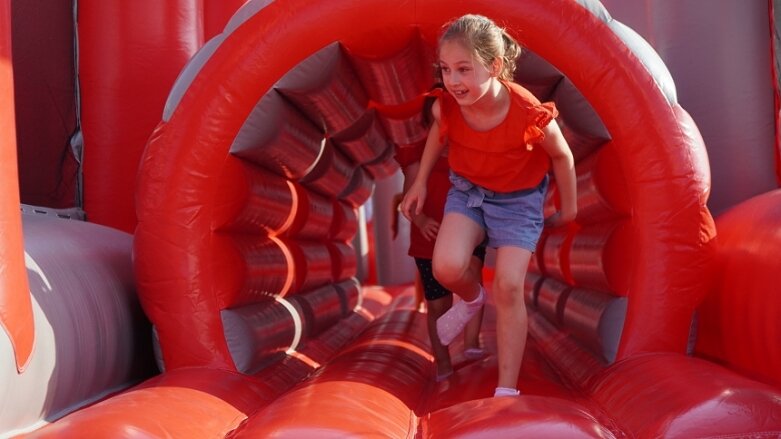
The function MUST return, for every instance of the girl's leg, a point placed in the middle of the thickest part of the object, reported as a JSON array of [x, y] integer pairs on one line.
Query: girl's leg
[[456, 240], [441, 354], [472, 347], [511, 319]]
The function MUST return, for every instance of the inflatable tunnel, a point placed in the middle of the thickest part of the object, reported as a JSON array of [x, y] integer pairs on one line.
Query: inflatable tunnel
[[295, 108]]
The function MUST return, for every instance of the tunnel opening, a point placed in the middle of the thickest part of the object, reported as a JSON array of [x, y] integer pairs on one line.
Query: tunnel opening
[[278, 136]]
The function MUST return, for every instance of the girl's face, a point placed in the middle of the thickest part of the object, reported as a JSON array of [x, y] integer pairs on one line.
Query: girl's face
[[465, 77]]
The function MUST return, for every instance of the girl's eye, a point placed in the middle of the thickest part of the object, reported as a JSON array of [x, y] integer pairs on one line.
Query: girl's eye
[[463, 70], [444, 69]]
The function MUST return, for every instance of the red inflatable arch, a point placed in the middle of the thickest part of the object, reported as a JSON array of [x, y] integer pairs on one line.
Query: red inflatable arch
[[657, 146]]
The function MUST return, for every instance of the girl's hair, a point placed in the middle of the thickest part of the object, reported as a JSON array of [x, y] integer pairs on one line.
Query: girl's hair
[[487, 40]]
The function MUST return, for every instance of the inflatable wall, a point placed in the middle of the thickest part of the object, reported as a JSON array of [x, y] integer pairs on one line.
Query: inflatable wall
[[241, 275]]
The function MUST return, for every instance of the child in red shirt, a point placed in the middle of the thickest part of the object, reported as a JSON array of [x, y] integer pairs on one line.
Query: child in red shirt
[[423, 233], [501, 146]]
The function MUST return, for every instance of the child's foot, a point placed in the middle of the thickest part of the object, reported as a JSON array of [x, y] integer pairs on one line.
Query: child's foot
[[455, 319], [506, 391], [474, 353]]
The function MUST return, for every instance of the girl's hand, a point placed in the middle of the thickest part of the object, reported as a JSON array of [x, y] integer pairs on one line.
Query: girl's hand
[[412, 204], [559, 219], [428, 226]]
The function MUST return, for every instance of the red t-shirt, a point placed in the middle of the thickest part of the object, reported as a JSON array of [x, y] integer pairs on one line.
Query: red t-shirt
[[506, 157]]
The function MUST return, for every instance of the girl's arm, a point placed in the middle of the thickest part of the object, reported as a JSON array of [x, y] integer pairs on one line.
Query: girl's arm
[[428, 226], [416, 194], [410, 173], [564, 171]]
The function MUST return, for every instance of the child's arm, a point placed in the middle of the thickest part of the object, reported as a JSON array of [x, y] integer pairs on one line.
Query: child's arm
[[395, 203], [428, 226], [564, 171], [416, 194], [410, 174]]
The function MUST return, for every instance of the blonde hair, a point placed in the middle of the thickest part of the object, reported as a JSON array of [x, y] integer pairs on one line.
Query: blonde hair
[[487, 40]]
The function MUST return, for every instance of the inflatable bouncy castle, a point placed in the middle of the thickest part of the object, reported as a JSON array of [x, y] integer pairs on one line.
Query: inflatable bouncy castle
[[195, 216]]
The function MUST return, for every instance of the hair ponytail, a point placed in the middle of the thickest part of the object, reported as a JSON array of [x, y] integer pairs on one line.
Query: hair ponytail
[[512, 50]]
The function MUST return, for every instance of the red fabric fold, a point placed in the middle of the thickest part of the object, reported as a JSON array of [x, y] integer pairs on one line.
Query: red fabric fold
[[539, 117]]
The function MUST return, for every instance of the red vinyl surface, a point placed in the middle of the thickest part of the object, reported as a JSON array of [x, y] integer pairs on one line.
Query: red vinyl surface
[[16, 313]]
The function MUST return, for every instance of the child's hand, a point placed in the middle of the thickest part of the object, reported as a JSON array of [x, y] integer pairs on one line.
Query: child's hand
[[428, 226], [412, 204], [559, 219]]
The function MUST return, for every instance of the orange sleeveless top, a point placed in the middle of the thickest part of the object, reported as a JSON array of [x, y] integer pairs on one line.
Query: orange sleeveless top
[[505, 158]]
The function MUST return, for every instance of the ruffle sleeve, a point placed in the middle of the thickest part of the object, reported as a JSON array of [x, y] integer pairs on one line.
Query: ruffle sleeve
[[537, 118]]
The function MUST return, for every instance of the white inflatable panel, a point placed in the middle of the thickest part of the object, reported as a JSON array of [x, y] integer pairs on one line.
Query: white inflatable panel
[[87, 323]]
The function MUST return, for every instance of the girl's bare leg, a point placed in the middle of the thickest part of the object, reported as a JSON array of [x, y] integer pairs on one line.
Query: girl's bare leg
[[453, 268], [511, 318], [472, 330]]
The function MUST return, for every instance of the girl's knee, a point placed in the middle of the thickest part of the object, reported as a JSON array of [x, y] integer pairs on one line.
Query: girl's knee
[[449, 270], [507, 291]]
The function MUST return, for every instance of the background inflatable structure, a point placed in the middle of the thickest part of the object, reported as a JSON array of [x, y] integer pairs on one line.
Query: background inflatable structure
[[203, 248]]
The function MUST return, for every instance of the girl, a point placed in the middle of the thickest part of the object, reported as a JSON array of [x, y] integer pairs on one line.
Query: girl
[[423, 234], [502, 145]]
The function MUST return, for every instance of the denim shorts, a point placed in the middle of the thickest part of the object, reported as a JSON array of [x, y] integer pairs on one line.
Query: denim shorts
[[510, 219]]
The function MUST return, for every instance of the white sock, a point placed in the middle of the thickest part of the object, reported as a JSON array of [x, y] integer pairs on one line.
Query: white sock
[[455, 319], [506, 391]]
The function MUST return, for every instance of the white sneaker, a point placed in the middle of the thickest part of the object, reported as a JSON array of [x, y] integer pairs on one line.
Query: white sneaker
[[455, 319]]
